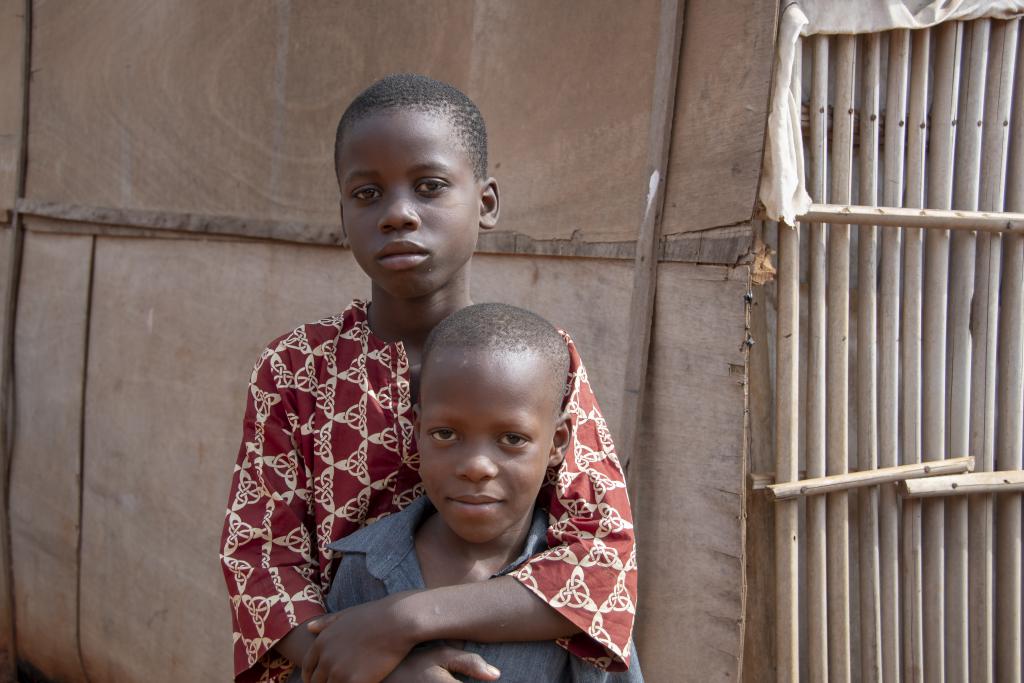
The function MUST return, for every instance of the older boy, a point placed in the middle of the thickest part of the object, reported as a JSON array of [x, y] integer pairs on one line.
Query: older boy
[[328, 443], [490, 426]]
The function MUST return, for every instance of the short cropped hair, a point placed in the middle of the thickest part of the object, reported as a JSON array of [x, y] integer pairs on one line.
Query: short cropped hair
[[501, 329], [420, 93]]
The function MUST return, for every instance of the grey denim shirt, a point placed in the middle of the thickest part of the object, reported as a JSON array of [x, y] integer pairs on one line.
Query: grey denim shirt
[[380, 559]]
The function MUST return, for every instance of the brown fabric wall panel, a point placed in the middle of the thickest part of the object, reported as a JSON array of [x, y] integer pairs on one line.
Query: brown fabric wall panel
[[588, 298], [566, 88], [177, 326], [50, 348], [230, 107], [226, 107], [12, 36], [721, 111], [687, 481]]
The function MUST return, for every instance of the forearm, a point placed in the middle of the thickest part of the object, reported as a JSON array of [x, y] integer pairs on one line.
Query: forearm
[[497, 610]]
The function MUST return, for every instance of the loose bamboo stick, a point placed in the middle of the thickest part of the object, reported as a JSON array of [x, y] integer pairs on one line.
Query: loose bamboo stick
[[817, 588], [940, 187], [870, 608], [1002, 223], [1001, 481], [837, 365], [872, 477], [984, 326], [910, 355], [888, 353], [787, 652], [962, 261], [1009, 442]]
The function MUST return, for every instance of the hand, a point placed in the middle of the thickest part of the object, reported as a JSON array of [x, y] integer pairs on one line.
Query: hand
[[437, 663], [361, 644]]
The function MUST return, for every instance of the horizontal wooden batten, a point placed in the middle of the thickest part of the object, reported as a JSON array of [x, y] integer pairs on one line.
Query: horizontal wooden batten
[[884, 475], [887, 216], [727, 245], [965, 484]]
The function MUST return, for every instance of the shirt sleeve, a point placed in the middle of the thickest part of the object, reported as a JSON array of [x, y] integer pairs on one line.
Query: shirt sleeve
[[589, 573], [267, 546]]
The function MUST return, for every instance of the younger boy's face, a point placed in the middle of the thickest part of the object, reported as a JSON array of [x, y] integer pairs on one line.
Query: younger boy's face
[[487, 430], [410, 204]]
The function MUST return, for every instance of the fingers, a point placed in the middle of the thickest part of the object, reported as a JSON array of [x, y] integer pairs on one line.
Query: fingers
[[309, 663], [470, 664], [319, 624]]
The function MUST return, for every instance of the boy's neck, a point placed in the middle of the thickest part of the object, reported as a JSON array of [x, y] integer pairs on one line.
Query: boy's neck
[[446, 559], [409, 321]]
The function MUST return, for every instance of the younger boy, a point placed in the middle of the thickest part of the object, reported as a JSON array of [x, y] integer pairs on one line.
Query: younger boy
[[328, 443], [489, 427]]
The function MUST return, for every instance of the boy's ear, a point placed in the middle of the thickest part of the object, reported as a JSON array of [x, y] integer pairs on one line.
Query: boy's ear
[[560, 442], [489, 204]]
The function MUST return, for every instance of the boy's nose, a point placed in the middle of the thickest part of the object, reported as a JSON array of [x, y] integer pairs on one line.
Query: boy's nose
[[399, 215], [476, 468]]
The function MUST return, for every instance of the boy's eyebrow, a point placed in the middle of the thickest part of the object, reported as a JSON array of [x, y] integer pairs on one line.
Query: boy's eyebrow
[[416, 169]]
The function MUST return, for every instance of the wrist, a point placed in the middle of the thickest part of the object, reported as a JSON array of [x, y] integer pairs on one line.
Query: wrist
[[413, 617]]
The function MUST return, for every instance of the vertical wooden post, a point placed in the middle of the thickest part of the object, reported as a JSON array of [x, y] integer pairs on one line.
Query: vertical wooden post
[[837, 364], [645, 266], [1010, 441], [984, 326], [965, 196], [8, 642], [910, 354], [787, 648], [940, 187], [817, 588], [888, 353], [867, 379]]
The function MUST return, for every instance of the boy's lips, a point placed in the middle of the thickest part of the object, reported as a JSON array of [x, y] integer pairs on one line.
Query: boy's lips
[[475, 499], [402, 255]]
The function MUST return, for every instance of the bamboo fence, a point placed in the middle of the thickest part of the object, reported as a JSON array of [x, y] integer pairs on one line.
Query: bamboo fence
[[917, 137]]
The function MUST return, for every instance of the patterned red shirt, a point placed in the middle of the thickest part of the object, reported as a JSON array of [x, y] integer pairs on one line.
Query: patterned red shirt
[[328, 448]]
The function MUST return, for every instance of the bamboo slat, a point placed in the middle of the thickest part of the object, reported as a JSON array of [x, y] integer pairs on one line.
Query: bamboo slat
[[870, 608], [787, 652], [888, 353], [910, 357], [816, 571], [954, 485], [1009, 440], [1008, 457], [984, 326], [872, 477], [837, 364], [962, 262], [941, 145]]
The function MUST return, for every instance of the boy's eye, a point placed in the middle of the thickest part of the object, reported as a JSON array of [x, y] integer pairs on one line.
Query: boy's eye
[[431, 186], [513, 439], [443, 434], [366, 193]]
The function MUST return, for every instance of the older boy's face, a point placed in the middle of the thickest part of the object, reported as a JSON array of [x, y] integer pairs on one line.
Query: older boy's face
[[410, 204], [487, 432]]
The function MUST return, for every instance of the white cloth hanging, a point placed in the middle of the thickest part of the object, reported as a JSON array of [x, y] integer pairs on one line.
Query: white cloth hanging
[[783, 190]]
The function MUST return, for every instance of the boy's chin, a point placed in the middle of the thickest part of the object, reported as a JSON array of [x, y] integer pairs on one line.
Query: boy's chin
[[474, 533]]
